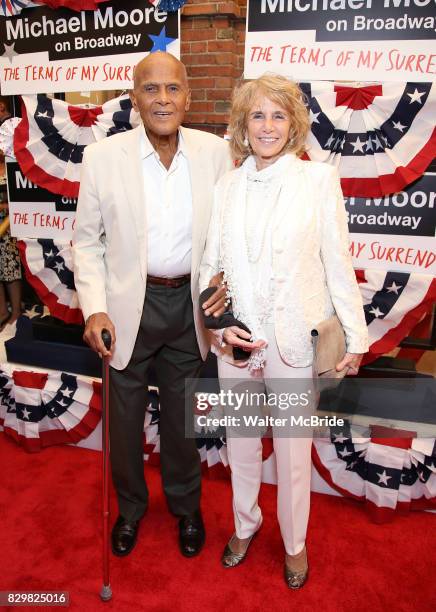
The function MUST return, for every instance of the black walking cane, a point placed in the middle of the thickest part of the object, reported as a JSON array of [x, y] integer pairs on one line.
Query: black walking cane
[[106, 591]]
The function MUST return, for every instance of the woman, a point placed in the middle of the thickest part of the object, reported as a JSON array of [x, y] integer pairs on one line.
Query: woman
[[279, 234]]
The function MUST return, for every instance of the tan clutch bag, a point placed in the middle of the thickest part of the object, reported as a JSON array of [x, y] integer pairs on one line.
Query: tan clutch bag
[[329, 348]]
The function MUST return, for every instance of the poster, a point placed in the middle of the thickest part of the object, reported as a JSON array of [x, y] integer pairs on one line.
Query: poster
[[395, 232], [35, 212], [46, 51], [356, 40]]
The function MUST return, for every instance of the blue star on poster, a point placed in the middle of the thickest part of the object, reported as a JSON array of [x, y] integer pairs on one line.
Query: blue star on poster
[[161, 41]]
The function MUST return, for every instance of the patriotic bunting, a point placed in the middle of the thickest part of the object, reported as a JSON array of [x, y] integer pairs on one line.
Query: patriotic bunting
[[8, 8], [168, 5], [380, 137], [213, 452], [48, 267], [43, 409], [391, 470], [394, 302], [39, 409], [50, 140]]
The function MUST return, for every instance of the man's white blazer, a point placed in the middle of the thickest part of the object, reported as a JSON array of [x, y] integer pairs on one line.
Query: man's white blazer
[[110, 236]]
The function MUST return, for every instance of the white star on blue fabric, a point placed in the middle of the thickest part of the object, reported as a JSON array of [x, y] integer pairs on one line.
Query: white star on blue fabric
[[345, 453], [168, 5], [314, 117], [358, 145], [161, 41], [67, 392], [376, 312], [416, 96], [394, 288], [44, 114], [383, 478], [339, 438], [378, 144], [330, 141], [59, 266], [399, 126], [26, 414]]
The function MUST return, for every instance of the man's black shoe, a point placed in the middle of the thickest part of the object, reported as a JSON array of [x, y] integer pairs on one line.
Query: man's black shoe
[[191, 534], [124, 535]]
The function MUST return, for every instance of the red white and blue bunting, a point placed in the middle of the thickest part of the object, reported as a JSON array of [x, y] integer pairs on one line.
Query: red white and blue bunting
[[40, 409], [394, 302], [48, 266], [45, 409], [168, 5], [52, 135], [380, 137], [9, 8], [213, 452], [388, 471]]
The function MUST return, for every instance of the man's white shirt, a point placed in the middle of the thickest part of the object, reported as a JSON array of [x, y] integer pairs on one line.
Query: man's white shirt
[[168, 202]]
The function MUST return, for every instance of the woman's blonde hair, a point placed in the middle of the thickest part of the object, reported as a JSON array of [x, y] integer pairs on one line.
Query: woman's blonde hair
[[279, 90]]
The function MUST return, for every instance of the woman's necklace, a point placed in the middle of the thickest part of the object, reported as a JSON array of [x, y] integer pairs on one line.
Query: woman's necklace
[[263, 221]]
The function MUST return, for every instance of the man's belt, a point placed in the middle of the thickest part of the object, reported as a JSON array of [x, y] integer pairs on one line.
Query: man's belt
[[178, 281]]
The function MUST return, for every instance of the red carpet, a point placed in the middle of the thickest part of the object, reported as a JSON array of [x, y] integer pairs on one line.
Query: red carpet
[[50, 514]]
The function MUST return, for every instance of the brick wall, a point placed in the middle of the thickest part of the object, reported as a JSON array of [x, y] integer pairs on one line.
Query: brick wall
[[212, 48]]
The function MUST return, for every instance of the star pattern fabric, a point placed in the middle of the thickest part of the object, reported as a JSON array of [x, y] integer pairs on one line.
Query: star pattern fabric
[[380, 137], [389, 470], [48, 266], [9, 8], [394, 302], [168, 5], [41, 409], [50, 140]]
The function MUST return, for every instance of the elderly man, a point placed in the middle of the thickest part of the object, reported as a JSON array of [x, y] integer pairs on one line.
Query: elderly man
[[142, 218]]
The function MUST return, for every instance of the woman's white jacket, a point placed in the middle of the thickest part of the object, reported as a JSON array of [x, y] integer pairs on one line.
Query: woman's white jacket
[[312, 267]]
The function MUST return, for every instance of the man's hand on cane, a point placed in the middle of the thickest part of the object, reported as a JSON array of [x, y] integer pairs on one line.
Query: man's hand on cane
[[92, 334]]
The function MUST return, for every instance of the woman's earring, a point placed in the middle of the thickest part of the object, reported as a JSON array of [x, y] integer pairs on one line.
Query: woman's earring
[[246, 142]]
